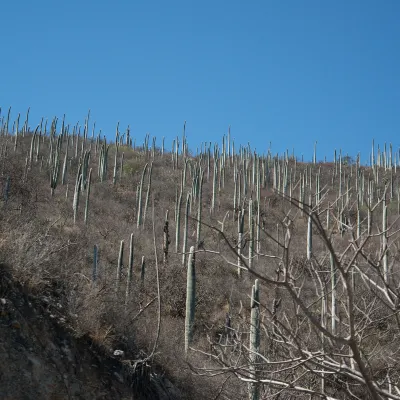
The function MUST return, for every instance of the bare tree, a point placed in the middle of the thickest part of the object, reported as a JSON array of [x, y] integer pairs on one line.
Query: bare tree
[[328, 319]]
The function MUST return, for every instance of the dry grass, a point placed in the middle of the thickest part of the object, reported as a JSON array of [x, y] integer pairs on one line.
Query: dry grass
[[54, 257]]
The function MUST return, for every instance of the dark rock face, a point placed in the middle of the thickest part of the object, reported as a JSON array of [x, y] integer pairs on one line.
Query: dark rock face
[[40, 358]]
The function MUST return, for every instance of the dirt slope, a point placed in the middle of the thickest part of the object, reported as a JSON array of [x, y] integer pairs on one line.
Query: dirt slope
[[41, 359]]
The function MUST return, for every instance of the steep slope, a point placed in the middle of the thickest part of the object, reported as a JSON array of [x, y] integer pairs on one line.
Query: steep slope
[[42, 359]]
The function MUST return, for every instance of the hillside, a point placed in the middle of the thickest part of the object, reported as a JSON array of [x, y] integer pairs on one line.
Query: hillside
[[222, 274], [43, 359]]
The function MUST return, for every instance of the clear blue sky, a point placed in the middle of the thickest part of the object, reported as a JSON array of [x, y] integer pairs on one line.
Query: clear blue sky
[[286, 71]]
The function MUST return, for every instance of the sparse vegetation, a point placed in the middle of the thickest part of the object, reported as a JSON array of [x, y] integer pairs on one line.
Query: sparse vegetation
[[293, 284]]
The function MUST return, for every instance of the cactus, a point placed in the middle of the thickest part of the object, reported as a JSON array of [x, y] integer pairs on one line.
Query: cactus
[[121, 171], [254, 387], [199, 206], [33, 141], [146, 204], [130, 271], [309, 236], [115, 164], [178, 221], [333, 293], [119, 266], [5, 131], [55, 166], [64, 171], [87, 197], [358, 218], [235, 192], [190, 299], [251, 233], [139, 200], [142, 270], [103, 162], [173, 154], [315, 153], [184, 172], [16, 133], [240, 240], [185, 232], [214, 186], [25, 127], [385, 240], [77, 141], [85, 168], [38, 142], [86, 129], [75, 203], [177, 153], [166, 241], [258, 221]]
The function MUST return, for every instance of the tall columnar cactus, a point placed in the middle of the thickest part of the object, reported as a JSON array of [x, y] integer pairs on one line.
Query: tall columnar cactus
[[78, 134], [130, 271], [199, 208], [87, 197], [318, 189], [121, 171], [358, 218], [385, 240], [173, 154], [119, 266], [302, 194], [398, 199], [75, 204], [55, 165], [33, 141], [258, 220], [185, 232], [166, 241], [178, 221], [142, 270], [190, 299], [115, 165], [85, 168], [146, 204], [315, 153], [370, 200], [64, 171], [177, 153], [214, 187], [7, 122], [208, 163], [86, 129], [254, 348], [240, 240], [251, 233], [37, 150], [139, 207], [309, 236], [16, 133], [235, 192], [328, 211], [333, 293], [244, 175], [103, 162], [184, 173]]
